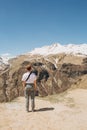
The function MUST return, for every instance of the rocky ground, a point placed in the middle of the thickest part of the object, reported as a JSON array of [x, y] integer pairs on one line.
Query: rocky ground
[[67, 111]]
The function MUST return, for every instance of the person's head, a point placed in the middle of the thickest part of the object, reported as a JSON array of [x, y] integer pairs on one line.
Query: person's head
[[28, 67]]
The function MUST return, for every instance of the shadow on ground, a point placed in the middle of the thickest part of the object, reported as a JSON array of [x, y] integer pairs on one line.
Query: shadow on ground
[[45, 109]]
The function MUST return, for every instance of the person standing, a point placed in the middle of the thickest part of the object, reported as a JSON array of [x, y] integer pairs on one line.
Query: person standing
[[29, 85]]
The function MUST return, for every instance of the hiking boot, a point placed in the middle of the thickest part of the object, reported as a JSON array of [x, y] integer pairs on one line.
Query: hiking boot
[[33, 110], [27, 110]]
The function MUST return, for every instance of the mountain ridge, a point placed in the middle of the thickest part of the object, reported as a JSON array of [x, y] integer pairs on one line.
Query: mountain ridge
[[56, 48]]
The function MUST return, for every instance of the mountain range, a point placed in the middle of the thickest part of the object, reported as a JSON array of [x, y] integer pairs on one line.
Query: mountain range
[[58, 67], [57, 48]]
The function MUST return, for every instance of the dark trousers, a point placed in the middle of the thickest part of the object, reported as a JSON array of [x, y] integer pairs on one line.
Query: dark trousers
[[29, 93]]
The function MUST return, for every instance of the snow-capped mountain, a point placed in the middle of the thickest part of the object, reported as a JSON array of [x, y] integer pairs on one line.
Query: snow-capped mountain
[[4, 62], [56, 48]]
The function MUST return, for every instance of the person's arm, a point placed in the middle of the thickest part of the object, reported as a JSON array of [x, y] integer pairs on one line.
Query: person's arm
[[23, 84], [23, 81], [35, 86]]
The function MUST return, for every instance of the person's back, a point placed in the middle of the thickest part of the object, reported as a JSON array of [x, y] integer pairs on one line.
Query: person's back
[[29, 84]]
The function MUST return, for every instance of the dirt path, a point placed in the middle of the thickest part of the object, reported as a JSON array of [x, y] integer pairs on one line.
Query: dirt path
[[70, 114]]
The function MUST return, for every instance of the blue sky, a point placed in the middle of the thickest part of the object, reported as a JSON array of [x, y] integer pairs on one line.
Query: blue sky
[[29, 24]]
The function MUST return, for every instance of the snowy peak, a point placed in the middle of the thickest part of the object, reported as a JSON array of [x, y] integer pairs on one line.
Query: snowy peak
[[4, 61], [5, 57], [56, 48]]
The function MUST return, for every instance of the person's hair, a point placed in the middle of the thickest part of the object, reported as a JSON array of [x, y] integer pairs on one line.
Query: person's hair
[[28, 67]]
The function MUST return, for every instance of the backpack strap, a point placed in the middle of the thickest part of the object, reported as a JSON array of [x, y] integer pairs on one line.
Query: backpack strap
[[28, 76]]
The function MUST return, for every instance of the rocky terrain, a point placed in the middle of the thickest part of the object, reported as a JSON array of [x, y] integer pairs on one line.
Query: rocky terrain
[[55, 74]]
